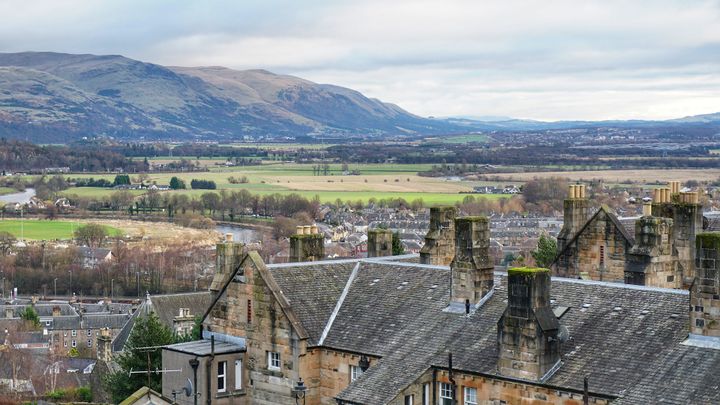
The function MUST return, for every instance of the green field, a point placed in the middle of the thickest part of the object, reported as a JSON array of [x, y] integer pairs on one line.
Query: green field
[[379, 181], [46, 230], [475, 138], [7, 190]]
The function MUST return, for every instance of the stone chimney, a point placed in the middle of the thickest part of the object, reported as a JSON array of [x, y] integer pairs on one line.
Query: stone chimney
[[685, 210], [9, 313], [472, 268], [705, 290], [379, 242], [307, 245], [651, 261], [439, 248], [56, 311], [104, 345], [528, 343], [228, 256], [575, 214]]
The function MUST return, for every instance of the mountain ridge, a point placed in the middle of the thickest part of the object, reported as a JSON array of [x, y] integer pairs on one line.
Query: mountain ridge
[[83, 94]]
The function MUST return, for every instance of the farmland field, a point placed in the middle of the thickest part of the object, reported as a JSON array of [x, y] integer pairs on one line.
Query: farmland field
[[379, 181], [619, 176], [46, 230]]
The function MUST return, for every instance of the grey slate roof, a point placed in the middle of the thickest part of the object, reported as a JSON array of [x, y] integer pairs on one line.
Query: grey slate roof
[[394, 310], [166, 307]]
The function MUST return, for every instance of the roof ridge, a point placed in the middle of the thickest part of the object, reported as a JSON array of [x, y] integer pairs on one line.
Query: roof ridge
[[339, 304]]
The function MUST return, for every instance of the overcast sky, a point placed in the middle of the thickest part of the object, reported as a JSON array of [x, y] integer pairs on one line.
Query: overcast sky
[[569, 59]]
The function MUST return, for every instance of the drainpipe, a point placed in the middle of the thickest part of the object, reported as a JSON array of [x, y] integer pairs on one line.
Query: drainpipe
[[208, 370], [452, 380], [434, 387]]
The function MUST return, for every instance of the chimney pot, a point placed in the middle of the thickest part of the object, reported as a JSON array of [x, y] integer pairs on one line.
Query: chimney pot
[[228, 237]]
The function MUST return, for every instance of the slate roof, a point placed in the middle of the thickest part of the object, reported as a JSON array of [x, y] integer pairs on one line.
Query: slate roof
[[204, 347], [166, 307], [394, 311]]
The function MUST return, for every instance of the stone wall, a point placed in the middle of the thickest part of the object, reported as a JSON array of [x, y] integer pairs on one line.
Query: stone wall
[[249, 309], [598, 253]]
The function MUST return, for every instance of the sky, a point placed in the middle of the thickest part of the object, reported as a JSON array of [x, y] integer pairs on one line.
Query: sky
[[547, 60]]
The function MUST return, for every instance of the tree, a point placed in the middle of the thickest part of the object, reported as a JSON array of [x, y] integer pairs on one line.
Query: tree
[[148, 331], [176, 184], [91, 235], [121, 179], [397, 246], [30, 315], [545, 252], [7, 241]]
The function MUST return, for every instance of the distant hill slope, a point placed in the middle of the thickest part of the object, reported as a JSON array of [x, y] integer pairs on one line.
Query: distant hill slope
[[54, 97]]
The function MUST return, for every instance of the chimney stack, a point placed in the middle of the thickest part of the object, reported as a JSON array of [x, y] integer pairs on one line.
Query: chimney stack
[[104, 345], [379, 242], [9, 313], [529, 348], [704, 301], [651, 261], [56, 311], [228, 256], [307, 245], [439, 248], [472, 268], [575, 214], [647, 210]]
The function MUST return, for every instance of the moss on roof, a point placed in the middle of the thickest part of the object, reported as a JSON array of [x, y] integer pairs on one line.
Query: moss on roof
[[528, 271]]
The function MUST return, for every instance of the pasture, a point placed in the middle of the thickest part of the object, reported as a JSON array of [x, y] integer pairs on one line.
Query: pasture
[[45, 229]]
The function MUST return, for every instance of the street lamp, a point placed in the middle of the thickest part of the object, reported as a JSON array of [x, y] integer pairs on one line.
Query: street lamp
[[299, 391]]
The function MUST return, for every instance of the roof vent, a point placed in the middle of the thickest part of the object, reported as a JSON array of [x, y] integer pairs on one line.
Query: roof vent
[[586, 306]]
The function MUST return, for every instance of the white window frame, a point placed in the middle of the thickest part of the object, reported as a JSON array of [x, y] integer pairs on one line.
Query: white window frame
[[409, 399], [65, 343], [445, 392], [89, 343], [466, 395], [238, 374], [89, 333], [426, 394], [355, 372], [73, 343], [74, 333], [222, 376], [273, 361]]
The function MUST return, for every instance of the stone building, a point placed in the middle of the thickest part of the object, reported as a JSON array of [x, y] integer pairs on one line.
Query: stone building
[[658, 250], [385, 330]]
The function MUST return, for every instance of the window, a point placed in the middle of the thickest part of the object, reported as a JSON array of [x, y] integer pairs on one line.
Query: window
[[238, 374], [89, 343], [446, 394], [602, 255], [65, 333], [47, 323], [426, 394], [222, 369], [89, 333], [470, 396], [273, 359], [74, 343], [249, 311], [408, 400], [74, 333], [355, 372], [65, 343]]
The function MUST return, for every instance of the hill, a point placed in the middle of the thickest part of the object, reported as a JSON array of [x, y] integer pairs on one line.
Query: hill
[[55, 97]]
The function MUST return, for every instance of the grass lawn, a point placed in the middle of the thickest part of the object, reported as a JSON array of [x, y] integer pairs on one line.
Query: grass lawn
[[96, 192], [46, 230], [7, 190]]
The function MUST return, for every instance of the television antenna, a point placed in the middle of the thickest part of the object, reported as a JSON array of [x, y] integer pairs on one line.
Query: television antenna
[[147, 350]]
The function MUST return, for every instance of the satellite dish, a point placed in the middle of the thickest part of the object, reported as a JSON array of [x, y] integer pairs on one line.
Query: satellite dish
[[188, 388]]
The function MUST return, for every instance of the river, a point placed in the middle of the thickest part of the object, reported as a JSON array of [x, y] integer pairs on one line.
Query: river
[[22, 198], [239, 233]]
